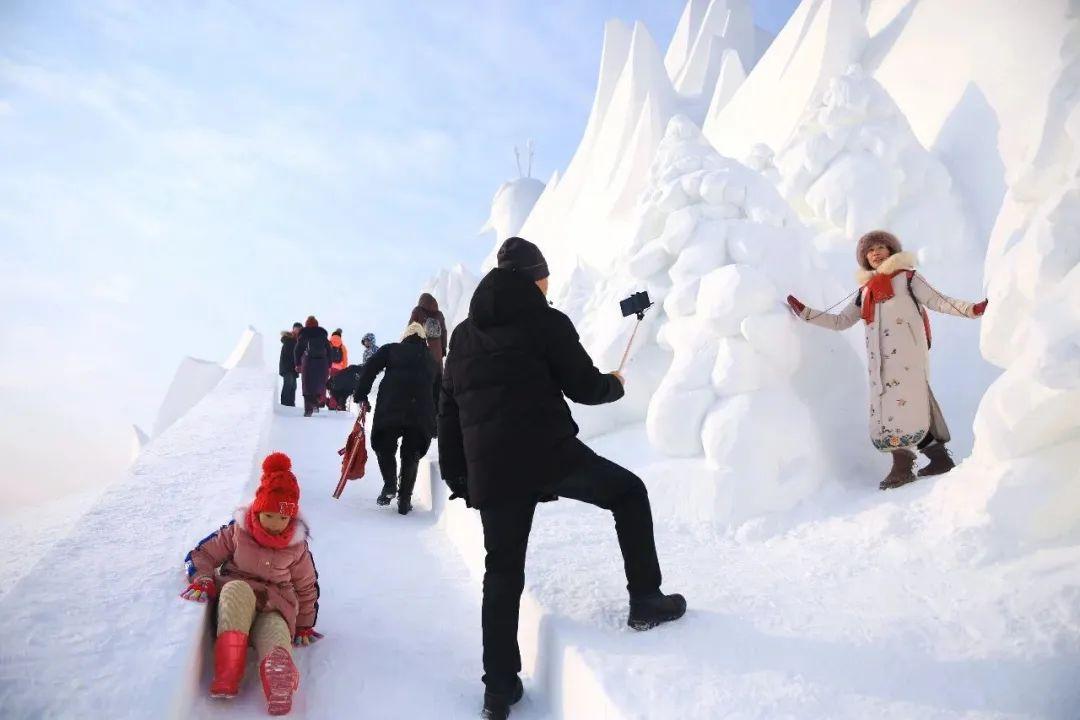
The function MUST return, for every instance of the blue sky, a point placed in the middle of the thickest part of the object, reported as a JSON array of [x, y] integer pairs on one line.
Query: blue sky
[[173, 171]]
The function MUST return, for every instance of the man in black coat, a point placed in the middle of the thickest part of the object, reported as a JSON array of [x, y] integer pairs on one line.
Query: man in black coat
[[287, 365], [404, 410], [507, 441]]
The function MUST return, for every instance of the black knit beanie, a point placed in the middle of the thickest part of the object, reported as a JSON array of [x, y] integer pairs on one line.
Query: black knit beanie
[[520, 255]]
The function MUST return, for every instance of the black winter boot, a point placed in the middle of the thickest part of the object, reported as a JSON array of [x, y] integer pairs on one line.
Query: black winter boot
[[388, 468], [497, 707], [652, 610], [903, 461], [408, 481], [940, 460]]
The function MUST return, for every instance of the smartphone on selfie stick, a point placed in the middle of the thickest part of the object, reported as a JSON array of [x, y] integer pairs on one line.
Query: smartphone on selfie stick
[[636, 304]]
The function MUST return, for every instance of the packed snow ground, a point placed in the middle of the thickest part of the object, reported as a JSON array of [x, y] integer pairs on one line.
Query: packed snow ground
[[861, 604]]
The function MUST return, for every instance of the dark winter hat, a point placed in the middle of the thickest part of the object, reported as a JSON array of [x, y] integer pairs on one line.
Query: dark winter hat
[[337, 332], [872, 238], [278, 490], [520, 255], [297, 325], [311, 321]]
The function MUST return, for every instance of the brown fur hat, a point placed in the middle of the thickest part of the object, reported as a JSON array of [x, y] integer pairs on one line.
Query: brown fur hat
[[872, 238]]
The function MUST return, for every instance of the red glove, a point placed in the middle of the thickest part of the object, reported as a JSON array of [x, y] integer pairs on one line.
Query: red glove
[[200, 590], [796, 306], [306, 636], [979, 308]]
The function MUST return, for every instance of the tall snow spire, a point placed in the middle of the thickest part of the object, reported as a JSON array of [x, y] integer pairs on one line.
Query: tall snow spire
[[725, 25]]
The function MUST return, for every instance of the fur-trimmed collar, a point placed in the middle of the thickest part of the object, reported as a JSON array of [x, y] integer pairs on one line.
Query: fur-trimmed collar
[[899, 261], [300, 535]]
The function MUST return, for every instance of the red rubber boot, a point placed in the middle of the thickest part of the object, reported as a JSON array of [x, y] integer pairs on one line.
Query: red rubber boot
[[280, 679], [230, 655]]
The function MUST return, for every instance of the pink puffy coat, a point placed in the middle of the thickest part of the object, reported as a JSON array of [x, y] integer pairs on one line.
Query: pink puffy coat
[[284, 580]]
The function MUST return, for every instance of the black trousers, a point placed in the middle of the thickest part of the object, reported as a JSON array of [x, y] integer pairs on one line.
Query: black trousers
[[288, 389], [596, 481], [414, 445]]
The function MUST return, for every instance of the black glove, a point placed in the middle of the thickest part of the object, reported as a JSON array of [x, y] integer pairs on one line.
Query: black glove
[[459, 488]]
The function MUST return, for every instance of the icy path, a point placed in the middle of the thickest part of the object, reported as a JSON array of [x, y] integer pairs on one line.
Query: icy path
[[400, 613]]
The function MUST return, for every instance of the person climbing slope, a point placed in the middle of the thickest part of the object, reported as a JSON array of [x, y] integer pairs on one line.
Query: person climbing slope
[[507, 441], [339, 360], [370, 347], [427, 313], [892, 302], [312, 358], [287, 365], [405, 411], [261, 572]]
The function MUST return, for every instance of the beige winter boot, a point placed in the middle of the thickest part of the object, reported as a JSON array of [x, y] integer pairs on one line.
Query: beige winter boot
[[902, 463]]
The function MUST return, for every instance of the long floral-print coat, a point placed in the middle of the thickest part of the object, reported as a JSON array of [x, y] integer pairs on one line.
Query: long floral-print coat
[[902, 406]]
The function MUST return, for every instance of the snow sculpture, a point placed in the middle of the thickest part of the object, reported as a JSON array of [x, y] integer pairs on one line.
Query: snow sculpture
[[724, 371], [634, 99], [513, 202], [819, 41], [711, 34], [1026, 426]]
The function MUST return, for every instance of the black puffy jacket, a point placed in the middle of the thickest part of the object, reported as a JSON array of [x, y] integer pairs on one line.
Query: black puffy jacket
[[346, 381], [287, 359], [503, 422], [405, 397], [315, 343]]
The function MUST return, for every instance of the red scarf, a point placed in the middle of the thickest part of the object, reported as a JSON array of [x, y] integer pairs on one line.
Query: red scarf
[[878, 289], [274, 542]]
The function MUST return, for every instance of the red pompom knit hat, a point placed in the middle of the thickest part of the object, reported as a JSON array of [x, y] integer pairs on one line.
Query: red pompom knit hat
[[278, 490]]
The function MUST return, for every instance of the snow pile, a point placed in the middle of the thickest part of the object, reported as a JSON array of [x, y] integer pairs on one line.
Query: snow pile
[[854, 165], [721, 358], [105, 596], [1028, 424]]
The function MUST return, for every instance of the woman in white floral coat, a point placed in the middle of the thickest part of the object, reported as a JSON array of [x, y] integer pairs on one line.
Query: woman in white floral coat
[[892, 303]]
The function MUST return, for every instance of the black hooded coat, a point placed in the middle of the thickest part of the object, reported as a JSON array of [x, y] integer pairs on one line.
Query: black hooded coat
[[504, 424]]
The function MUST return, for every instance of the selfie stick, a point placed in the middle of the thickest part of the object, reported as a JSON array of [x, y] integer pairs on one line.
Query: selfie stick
[[640, 317]]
